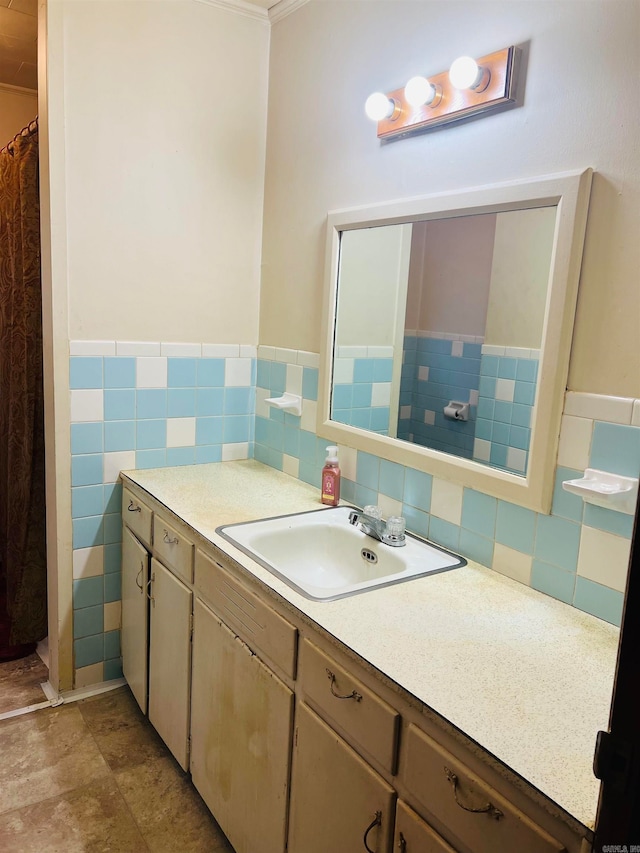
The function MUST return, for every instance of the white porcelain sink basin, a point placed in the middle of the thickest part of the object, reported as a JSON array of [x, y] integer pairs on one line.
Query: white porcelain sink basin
[[324, 557]]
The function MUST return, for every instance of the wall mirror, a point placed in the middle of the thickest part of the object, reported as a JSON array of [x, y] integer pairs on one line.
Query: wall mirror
[[448, 322]]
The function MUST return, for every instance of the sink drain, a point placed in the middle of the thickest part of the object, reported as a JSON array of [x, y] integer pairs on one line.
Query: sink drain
[[369, 556]]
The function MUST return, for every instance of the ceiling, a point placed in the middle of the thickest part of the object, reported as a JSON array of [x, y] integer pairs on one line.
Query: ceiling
[[18, 43]]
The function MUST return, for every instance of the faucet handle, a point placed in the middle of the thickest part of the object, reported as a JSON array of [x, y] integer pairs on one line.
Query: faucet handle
[[395, 527], [373, 511]]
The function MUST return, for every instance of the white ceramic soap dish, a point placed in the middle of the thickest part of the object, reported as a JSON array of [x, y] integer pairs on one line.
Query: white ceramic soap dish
[[611, 491], [289, 402]]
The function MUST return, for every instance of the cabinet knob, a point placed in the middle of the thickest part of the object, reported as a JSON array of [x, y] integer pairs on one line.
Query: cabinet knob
[[168, 539], [134, 507], [377, 821], [402, 844]]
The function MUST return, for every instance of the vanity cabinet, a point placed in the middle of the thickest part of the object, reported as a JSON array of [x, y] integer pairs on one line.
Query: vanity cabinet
[[157, 619], [170, 659], [295, 743], [338, 802], [241, 728], [135, 616]]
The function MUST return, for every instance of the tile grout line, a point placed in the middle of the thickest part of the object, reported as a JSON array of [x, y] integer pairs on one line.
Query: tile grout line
[[111, 772], [124, 800]]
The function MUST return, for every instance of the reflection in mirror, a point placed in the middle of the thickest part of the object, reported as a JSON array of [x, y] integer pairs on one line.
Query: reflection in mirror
[[439, 328]]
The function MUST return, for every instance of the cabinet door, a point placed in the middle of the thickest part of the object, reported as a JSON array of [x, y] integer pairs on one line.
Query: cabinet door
[[135, 620], [170, 660], [241, 726], [414, 835], [335, 795]]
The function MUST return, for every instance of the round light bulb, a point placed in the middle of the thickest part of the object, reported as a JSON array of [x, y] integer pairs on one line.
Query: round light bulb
[[419, 92], [465, 73], [378, 106]]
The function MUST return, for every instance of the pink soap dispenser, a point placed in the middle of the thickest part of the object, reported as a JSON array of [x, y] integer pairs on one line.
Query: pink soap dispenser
[[331, 478]]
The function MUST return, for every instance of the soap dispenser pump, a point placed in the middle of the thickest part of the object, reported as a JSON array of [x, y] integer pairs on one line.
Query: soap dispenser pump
[[331, 478]]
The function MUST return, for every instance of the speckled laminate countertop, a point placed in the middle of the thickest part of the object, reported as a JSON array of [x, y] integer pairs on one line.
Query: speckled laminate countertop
[[527, 677]]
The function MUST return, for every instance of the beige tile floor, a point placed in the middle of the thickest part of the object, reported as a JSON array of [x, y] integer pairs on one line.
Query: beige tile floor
[[94, 777], [20, 682]]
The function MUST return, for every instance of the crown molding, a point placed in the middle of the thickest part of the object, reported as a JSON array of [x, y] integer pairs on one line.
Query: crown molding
[[17, 90], [281, 10], [285, 8], [240, 7]]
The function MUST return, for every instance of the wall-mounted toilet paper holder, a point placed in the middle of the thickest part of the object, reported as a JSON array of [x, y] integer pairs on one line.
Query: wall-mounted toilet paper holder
[[457, 411]]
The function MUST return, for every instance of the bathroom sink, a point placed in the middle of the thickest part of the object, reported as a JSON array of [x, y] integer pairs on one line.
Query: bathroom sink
[[324, 557]]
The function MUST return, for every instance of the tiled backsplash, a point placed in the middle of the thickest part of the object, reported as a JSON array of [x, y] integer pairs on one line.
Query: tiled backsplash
[[136, 405], [140, 405]]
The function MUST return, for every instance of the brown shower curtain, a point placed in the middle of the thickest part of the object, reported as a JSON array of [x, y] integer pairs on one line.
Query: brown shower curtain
[[23, 575]]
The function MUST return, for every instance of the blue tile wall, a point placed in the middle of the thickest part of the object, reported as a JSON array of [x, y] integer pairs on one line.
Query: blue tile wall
[[507, 391], [279, 434], [208, 403], [362, 402], [433, 375]]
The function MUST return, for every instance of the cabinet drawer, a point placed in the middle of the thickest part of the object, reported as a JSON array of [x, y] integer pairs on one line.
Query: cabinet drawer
[[338, 696], [480, 817], [137, 516], [254, 621], [414, 835], [173, 548]]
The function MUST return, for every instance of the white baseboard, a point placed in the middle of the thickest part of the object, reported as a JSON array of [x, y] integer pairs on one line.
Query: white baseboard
[[79, 693]]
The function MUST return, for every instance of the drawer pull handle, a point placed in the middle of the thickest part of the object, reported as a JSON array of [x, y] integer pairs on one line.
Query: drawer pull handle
[[377, 821], [489, 809], [170, 541], [134, 507], [402, 844], [353, 695], [149, 596], [138, 576]]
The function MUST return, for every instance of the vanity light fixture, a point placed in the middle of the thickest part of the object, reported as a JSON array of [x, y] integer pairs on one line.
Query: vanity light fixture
[[471, 87]]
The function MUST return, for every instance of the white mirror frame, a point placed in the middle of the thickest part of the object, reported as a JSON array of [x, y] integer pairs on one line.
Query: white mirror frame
[[570, 193]]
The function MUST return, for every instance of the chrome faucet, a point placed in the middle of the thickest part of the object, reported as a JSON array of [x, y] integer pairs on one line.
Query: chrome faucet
[[369, 521]]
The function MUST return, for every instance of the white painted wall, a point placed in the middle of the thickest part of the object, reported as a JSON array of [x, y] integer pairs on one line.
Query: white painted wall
[[520, 277], [17, 109], [450, 275], [323, 154], [165, 123], [371, 261]]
